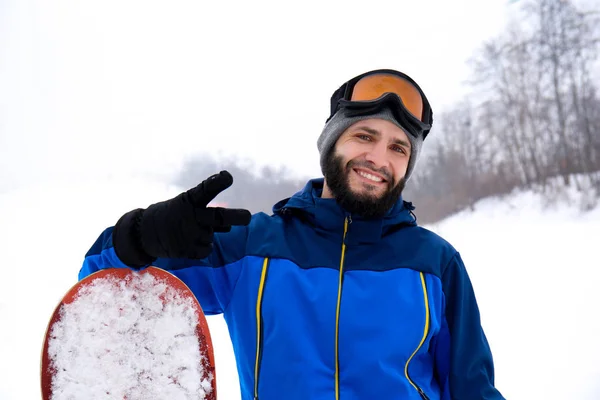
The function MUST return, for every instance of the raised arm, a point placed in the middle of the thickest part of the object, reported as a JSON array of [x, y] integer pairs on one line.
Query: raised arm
[[202, 245]]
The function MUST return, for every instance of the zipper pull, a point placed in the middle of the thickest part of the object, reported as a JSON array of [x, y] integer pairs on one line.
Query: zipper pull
[[347, 222]]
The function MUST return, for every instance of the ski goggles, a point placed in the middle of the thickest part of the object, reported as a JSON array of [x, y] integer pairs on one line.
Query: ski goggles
[[368, 92]]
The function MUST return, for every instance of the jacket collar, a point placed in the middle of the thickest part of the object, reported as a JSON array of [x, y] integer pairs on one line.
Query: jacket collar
[[328, 217]]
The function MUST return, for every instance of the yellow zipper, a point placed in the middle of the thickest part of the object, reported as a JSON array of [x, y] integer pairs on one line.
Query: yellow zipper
[[337, 313], [425, 332], [261, 288]]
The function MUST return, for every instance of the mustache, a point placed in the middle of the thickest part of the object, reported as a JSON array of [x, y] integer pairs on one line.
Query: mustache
[[367, 165]]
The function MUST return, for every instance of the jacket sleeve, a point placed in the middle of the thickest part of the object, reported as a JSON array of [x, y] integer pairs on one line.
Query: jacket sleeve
[[212, 279], [464, 364]]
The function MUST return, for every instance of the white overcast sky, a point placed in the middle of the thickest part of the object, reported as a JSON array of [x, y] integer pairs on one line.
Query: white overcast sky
[[97, 88]]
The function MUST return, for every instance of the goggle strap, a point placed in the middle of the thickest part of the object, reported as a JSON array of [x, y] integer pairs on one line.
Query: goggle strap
[[336, 97]]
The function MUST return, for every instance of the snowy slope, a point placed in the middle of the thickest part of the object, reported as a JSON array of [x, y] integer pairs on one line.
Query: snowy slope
[[535, 274]]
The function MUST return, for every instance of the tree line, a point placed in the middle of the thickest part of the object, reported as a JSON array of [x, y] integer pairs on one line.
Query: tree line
[[534, 114]]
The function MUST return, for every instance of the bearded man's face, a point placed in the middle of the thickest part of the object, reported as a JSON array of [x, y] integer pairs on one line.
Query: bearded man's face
[[365, 171]]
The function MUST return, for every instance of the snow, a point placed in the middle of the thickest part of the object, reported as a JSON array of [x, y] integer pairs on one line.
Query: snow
[[534, 268], [119, 339], [536, 274]]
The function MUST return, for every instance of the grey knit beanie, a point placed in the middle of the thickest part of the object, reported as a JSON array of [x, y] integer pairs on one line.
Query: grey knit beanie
[[341, 121]]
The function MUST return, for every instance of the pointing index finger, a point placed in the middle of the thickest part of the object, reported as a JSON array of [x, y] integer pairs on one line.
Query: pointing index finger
[[206, 191]]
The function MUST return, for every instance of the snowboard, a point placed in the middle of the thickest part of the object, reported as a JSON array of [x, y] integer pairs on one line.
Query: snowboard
[[131, 335]]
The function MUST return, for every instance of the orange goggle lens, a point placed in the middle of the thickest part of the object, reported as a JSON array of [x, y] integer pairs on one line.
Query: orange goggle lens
[[372, 87]]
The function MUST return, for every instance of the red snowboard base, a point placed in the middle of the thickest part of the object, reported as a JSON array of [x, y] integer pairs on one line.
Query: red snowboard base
[[124, 334]]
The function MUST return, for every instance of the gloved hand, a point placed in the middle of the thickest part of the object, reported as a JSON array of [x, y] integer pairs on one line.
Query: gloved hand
[[181, 227]]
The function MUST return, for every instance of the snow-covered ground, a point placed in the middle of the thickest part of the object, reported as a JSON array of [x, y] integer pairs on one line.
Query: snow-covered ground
[[535, 271]]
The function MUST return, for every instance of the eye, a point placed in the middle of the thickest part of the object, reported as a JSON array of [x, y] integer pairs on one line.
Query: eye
[[362, 136], [399, 149]]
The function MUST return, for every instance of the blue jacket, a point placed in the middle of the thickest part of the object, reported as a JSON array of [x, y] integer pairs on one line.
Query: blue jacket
[[321, 304]]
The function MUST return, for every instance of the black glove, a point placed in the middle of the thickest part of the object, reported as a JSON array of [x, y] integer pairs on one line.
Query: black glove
[[182, 227]]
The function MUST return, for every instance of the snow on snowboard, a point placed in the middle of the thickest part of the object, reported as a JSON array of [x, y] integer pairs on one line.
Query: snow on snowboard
[[131, 335]]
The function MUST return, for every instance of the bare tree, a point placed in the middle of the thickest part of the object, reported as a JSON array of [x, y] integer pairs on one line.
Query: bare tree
[[534, 115], [567, 45], [538, 75]]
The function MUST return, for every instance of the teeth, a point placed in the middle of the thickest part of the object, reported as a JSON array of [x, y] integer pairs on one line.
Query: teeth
[[369, 176]]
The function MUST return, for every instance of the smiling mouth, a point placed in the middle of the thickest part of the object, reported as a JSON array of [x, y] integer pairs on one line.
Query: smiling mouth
[[370, 177]]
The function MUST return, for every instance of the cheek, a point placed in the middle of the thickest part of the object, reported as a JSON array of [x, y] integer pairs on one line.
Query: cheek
[[400, 166], [352, 149]]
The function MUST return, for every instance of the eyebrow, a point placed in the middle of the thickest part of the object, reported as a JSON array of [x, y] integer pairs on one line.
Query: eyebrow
[[375, 132]]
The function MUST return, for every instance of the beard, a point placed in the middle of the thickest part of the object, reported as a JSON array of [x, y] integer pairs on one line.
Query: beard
[[367, 204]]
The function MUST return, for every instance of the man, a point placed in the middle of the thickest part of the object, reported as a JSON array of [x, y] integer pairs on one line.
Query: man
[[339, 294]]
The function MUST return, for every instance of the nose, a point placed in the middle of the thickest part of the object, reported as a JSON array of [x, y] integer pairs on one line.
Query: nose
[[377, 154]]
